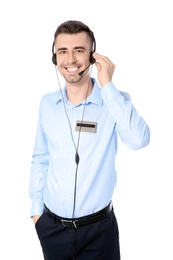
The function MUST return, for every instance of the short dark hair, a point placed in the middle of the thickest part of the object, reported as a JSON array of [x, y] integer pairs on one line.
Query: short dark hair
[[73, 27]]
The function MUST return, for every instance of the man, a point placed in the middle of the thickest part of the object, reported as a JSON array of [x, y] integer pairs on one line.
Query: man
[[73, 173]]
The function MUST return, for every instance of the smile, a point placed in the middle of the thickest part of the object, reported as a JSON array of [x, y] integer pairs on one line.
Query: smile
[[72, 69]]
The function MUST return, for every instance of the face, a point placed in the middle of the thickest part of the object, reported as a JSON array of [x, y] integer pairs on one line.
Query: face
[[73, 55]]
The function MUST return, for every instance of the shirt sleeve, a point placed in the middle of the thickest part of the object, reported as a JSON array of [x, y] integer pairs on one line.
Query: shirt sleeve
[[39, 168], [130, 126]]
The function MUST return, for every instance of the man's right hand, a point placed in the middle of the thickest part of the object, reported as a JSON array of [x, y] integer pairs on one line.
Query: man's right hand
[[35, 218]]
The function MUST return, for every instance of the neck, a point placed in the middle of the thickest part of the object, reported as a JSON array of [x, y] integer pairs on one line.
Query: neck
[[77, 93]]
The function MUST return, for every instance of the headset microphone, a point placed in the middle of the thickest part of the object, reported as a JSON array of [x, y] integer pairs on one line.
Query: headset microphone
[[92, 61], [82, 72]]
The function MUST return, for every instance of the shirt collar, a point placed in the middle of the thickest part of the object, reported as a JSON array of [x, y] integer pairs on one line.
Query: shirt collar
[[94, 97]]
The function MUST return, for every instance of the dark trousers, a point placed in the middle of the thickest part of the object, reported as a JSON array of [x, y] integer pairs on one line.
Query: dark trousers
[[97, 241]]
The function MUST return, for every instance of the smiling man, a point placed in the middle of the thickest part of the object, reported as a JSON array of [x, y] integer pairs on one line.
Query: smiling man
[[73, 174]]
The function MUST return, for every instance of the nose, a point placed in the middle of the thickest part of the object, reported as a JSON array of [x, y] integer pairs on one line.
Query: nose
[[71, 57]]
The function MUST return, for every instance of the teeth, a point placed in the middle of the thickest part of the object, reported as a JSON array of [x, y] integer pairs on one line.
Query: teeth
[[72, 69]]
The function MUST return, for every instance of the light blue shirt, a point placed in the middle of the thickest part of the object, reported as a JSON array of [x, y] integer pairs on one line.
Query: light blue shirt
[[53, 169]]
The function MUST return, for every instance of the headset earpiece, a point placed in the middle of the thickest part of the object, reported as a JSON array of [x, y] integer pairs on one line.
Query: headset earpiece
[[92, 60], [54, 59], [53, 55]]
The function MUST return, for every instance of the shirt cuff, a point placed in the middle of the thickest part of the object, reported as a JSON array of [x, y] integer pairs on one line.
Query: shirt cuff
[[37, 208]]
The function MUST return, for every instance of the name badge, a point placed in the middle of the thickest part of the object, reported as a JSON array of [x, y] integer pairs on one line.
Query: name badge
[[85, 126]]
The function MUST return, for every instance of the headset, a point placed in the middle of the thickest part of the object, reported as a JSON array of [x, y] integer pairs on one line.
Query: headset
[[92, 60]]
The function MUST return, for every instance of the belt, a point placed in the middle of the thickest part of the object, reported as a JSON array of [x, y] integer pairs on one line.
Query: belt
[[82, 221]]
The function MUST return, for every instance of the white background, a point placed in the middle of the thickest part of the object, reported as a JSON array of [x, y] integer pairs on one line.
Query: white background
[[138, 37]]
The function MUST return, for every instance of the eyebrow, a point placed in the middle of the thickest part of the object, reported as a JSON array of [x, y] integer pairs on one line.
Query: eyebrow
[[75, 48]]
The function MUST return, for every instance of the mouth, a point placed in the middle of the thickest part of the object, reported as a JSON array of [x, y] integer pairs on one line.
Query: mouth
[[72, 69]]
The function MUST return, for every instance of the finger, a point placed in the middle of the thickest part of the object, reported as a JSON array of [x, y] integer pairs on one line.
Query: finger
[[98, 65], [101, 58]]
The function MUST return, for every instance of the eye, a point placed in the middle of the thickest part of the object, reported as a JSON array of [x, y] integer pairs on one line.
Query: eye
[[79, 51], [61, 52]]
